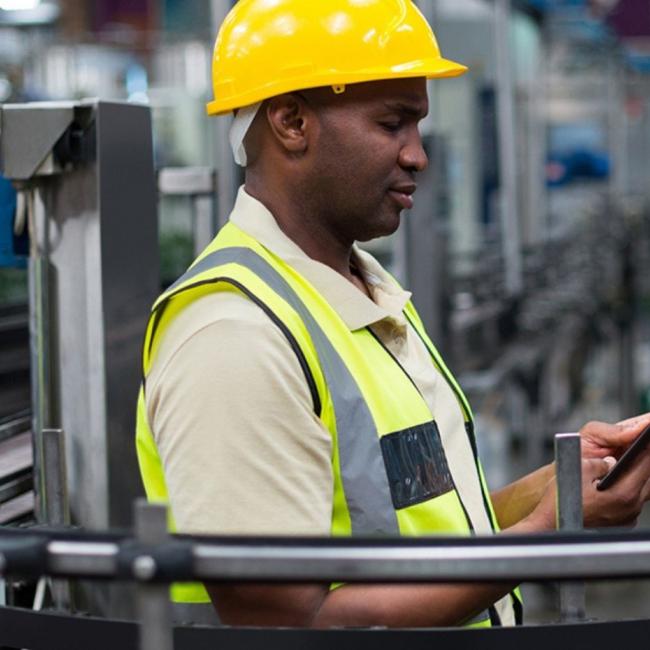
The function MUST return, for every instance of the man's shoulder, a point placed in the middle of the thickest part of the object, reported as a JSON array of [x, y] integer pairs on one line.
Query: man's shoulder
[[211, 309], [222, 314]]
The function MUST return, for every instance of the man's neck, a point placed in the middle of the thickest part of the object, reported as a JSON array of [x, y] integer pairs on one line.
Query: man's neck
[[308, 234]]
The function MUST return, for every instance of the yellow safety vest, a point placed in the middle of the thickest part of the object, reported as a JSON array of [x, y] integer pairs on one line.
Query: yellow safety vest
[[389, 467]]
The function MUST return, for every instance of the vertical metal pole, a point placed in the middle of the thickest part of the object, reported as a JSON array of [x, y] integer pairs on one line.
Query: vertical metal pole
[[510, 228], [616, 89], [55, 478], [43, 408], [536, 156], [57, 505], [204, 225], [40, 370], [568, 471], [228, 173], [153, 604]]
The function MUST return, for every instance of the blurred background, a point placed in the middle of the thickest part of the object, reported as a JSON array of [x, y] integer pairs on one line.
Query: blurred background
[[528, 250]]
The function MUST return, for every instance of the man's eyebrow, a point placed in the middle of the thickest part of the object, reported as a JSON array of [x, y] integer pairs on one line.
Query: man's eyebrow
[[412, 110]]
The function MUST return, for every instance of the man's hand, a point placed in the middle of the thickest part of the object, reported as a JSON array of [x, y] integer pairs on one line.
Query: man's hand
[[600, 439], [621, 504], [535, 493]]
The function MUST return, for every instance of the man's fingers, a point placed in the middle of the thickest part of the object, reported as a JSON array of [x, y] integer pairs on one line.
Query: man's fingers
[[637, 422], [615, 436], [596, 468]]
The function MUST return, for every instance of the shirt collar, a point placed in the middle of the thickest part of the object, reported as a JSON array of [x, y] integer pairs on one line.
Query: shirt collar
[[355, 308]]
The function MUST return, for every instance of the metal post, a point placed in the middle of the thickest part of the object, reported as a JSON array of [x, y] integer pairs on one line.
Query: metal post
[[568, 472], [57, 505], [153, 604], [40, 370], [510, 229], [617, 123], [536, 136], [40, 320], [228, 173], [203, 222], [55, 478]]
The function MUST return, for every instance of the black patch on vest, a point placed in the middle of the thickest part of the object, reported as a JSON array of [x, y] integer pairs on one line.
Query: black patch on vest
[[416, 465]]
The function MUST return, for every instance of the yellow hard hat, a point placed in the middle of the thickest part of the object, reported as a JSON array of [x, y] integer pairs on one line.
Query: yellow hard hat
[[269, 47]]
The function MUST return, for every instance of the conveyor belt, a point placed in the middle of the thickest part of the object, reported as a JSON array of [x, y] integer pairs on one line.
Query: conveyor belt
[[16, 496], [15, 425], [17, 510], [14, 361], [15, 456]]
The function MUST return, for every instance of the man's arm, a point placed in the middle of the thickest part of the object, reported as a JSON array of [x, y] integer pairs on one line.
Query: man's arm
[[518, 500], [356, 605], [351, 605]]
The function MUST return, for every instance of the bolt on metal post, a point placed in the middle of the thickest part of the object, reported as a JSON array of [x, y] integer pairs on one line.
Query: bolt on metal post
[[568, 473], [153, 604]]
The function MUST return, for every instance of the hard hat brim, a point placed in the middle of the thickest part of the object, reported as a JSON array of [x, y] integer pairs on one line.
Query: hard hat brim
[[437, 68]]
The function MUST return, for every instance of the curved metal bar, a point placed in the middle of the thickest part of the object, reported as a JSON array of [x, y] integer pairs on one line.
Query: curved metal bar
[[521, 560], [431, 563], [585, 555]]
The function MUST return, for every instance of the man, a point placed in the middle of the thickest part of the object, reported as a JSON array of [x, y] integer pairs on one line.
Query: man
[[290, 386]]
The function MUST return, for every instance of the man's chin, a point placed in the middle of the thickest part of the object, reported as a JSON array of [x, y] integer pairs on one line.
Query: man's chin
[[385, 228]]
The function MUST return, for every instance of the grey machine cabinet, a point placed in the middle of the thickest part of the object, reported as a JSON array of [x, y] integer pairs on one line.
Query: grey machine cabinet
[[86, 173]]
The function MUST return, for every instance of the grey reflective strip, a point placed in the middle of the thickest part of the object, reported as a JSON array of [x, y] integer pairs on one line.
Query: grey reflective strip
[[365, 483], [480, 618]]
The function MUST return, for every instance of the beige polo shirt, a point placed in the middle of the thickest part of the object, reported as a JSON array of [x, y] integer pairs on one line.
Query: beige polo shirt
[[233, 417]]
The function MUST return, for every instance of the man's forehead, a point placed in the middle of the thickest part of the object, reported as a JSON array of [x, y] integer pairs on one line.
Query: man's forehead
[[412, 88], [414, 105], [406, 95]]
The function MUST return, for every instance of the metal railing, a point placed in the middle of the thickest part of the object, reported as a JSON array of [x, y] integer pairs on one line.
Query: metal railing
[[553, 556], [153, 560]]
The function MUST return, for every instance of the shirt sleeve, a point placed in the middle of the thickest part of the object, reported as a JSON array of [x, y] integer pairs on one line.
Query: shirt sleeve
[[232, 415]]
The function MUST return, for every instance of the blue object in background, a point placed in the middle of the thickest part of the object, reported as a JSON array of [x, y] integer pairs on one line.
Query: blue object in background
[[13, 250], [577, 152]]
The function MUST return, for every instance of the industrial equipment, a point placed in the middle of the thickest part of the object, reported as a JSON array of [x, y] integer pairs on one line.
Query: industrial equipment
[[90, 211]]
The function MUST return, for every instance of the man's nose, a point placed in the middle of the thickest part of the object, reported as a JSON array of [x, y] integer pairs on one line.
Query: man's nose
[[413, 156]]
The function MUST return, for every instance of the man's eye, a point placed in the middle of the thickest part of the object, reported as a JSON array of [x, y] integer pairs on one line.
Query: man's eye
[[391, 127]]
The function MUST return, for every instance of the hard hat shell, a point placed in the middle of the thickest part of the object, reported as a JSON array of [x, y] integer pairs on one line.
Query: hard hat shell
[[269, 47]]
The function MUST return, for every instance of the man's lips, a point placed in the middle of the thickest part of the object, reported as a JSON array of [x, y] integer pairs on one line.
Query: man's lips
[[403, 195]]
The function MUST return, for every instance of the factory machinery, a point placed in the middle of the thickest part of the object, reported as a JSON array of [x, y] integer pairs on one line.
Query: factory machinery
[[16, 495], [69, 371]]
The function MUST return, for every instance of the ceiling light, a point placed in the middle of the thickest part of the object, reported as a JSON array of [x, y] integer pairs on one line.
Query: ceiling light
[[19, 5]]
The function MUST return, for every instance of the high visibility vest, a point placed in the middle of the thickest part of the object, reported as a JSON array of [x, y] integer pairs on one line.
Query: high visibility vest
[[390, 472]]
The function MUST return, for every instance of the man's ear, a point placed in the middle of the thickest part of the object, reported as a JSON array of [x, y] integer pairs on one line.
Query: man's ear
[[290, 120]]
